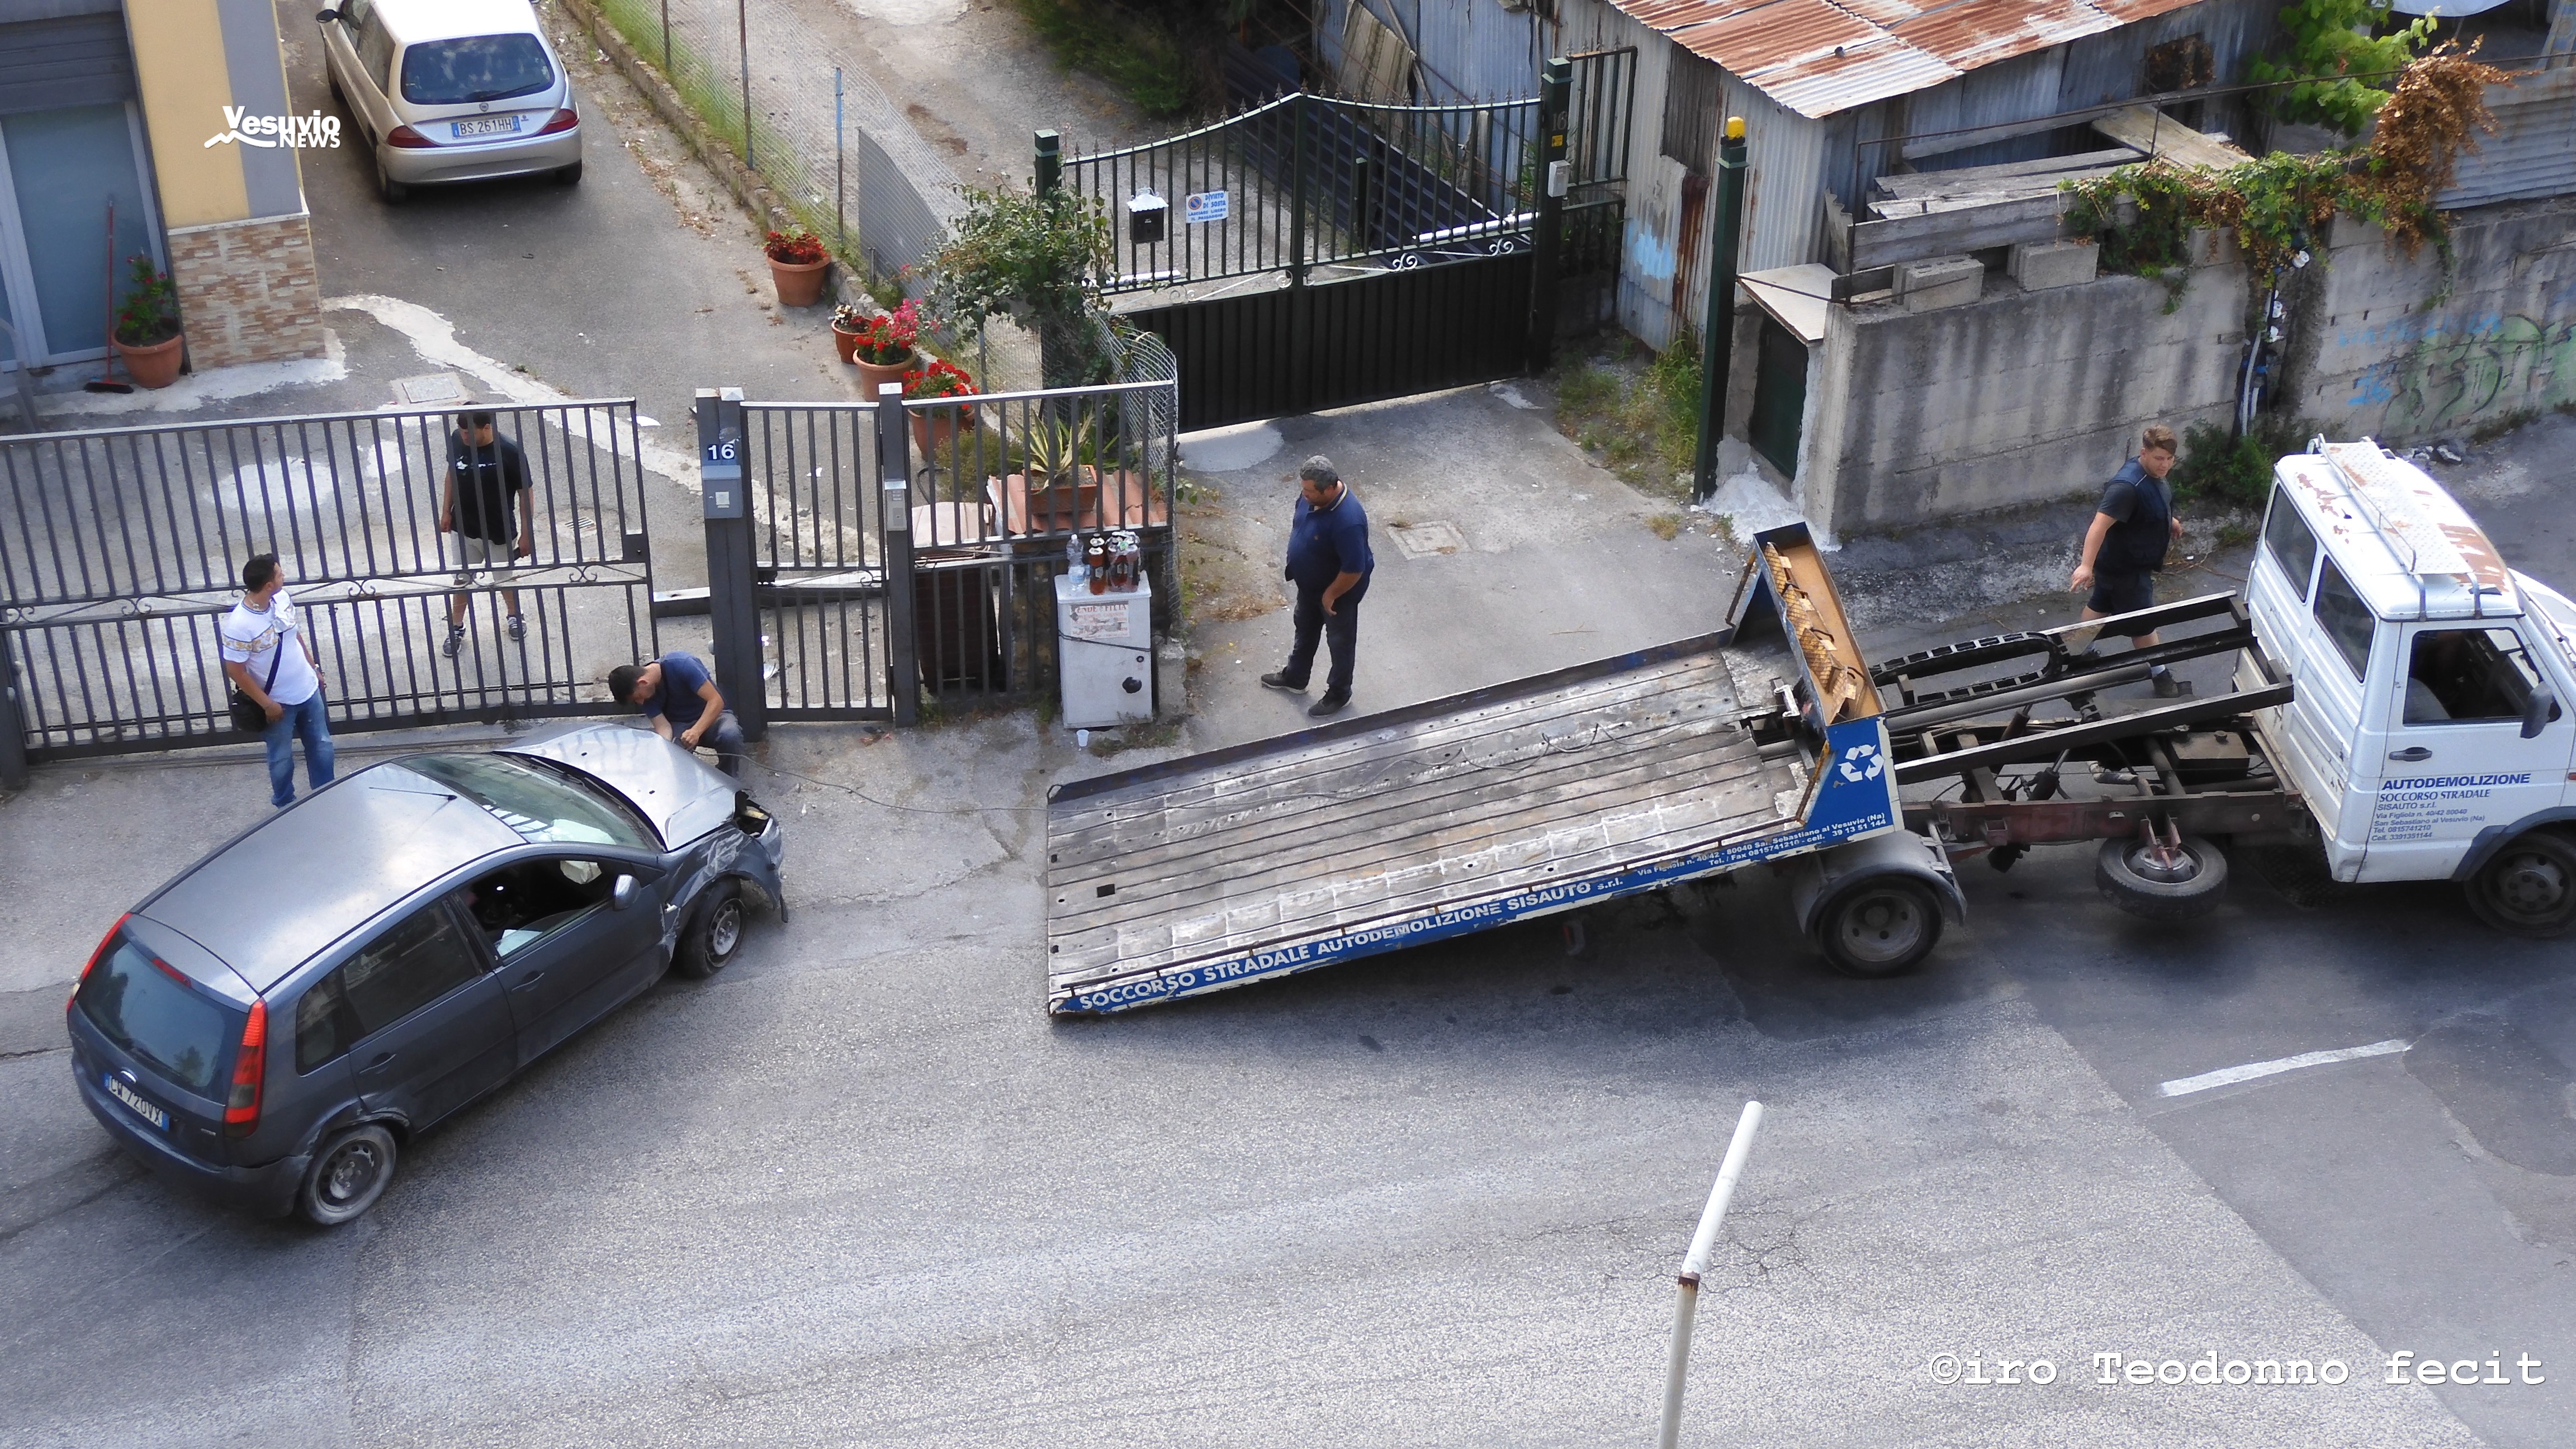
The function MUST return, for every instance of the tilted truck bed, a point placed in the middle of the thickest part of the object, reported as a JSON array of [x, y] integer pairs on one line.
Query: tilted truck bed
[[1452, 816]]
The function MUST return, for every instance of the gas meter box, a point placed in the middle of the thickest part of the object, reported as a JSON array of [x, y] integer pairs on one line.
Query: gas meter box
[[1105, 654]]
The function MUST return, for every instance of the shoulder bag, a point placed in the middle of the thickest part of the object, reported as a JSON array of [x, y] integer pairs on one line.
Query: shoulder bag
[[248, 716]]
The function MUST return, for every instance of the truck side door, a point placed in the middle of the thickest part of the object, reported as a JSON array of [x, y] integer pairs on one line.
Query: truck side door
[[2453, 761], [2323, 727]]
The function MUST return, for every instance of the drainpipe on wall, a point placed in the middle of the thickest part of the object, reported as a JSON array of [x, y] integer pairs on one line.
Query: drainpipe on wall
[[1718, 338]]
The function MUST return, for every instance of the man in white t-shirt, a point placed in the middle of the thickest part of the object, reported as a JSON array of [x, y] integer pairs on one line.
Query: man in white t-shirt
[[268, 657]]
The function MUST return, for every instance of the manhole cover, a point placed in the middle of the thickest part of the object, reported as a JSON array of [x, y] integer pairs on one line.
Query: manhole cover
[[430, 389], [1427, 540]]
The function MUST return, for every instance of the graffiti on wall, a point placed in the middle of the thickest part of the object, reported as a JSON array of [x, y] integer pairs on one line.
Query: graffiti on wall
[[2462, 371]]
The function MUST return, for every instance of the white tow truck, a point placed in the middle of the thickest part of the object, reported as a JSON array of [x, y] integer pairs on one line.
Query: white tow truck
[[2396, 712]]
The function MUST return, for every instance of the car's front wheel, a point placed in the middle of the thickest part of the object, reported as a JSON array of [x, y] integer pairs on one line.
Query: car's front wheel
[[714, 932], [2529, 887], [347, 1175]]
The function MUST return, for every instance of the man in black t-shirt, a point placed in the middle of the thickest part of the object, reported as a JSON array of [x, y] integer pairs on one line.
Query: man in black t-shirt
[[487, 504], [2132, 527]]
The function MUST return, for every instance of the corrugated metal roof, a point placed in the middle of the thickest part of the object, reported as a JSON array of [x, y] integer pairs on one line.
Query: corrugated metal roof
[[1818, 57]]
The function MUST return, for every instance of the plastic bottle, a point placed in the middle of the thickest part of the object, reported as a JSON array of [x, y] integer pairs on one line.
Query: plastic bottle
[[1073, 556]]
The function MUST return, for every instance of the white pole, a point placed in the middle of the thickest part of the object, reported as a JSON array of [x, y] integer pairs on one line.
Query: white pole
[[1686, 1301]]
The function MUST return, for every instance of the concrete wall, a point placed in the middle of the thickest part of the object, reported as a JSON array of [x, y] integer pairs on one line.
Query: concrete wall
[[2016, 398], [2501, 344]]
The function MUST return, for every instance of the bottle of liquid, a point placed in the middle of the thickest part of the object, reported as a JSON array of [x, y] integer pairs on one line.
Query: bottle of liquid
[[1096, 560], [1073, 556]]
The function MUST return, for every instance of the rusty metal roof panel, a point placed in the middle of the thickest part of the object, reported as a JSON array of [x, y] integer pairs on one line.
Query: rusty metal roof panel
[[1818, 57], [1973, 33]]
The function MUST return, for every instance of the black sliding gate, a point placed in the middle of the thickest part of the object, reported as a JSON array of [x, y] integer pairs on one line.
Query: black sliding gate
[[1315, 252]]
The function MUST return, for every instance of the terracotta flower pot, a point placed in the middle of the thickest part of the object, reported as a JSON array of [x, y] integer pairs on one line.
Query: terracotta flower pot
[[155, 365], [846, 344], [932, 431], [873, 375], [800, 284]]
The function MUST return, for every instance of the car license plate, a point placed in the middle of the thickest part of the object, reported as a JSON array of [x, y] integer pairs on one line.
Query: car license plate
[[487, 126], [133, 1099]]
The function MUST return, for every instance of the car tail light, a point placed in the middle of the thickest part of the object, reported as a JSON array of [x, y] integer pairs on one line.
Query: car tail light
[[407, 138], [250, 1068], [96, 956], [561, 120]]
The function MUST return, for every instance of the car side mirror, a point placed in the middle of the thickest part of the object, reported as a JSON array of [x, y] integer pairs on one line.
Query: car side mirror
[[326, 16], [2538, 711], [622, 894]]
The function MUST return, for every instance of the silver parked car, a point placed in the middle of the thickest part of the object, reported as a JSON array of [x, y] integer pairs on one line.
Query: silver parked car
[[452, 90], [275, 1023]]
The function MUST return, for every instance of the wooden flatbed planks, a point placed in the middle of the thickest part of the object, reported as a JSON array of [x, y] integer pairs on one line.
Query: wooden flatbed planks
[[1562, 779]]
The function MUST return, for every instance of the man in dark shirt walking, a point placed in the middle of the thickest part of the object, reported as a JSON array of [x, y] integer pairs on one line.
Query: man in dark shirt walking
[[1329, 562], [487, 504], [2132, 528]]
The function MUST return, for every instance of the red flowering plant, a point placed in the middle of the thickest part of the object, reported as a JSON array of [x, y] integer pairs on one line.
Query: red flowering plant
[[885, 339], [797, 248], [938, 379]]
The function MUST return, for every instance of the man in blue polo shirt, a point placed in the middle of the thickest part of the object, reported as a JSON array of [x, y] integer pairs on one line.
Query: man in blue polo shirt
[[1329, 562], [677, 694]]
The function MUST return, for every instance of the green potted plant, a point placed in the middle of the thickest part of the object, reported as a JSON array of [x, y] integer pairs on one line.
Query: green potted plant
[[147, 327], [796, 264], [1040, 261], [933, 428]]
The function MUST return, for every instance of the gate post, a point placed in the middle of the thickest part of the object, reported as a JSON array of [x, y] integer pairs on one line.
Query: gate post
[[733, 603], [1555, 97], [13, 721], [894, 491], [1717, 344]]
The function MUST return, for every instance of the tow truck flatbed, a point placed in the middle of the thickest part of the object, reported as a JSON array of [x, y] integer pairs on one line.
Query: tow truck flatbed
[[1461, 814]]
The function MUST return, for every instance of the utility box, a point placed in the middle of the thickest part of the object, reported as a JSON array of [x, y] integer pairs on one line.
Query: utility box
[[1104, 647]]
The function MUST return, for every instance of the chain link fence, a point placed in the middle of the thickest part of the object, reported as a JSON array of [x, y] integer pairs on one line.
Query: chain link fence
[[832, 145]]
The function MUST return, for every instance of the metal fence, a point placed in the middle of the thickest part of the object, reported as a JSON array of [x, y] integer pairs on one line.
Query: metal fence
[[825, 138], [964, 599], [120, 550]]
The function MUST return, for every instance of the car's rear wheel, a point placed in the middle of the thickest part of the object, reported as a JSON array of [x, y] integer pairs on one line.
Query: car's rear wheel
[[2181, 882], [568, 175], [347, 1175], [714, 932], [2529, 887], [393, 192]]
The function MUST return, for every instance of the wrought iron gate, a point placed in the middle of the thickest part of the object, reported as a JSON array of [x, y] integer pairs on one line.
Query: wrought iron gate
[[1402, 248], [121, 548]]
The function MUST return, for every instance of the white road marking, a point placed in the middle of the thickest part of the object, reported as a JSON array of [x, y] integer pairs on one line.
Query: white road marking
[[434, 338], [2225, 1076]]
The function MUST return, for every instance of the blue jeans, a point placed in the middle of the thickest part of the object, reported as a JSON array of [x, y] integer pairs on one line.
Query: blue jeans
[[305, 722]]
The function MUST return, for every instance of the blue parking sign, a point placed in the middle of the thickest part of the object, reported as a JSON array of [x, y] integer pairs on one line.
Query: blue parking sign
[[1201, 206]]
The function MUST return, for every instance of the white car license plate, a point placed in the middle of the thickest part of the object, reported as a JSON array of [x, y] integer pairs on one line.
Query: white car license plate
[[487, 126], [133, 1099]]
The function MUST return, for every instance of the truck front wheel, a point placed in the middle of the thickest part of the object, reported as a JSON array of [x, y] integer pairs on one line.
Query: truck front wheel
[[1879, 926], [2529, 887]]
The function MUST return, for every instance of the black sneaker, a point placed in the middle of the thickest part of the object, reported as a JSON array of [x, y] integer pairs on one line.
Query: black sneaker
[[455, 640], [518, 627], [2168, 687], [1329, 704], [1278, 679]]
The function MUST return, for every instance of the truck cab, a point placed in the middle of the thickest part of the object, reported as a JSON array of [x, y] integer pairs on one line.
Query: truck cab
[[2430, 733]]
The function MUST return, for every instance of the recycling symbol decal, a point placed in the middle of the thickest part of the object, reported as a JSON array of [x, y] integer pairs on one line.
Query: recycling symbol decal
[[1862, 763]]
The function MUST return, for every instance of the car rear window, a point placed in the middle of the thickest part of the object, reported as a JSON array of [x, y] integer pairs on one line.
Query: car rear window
[[164, 1021], [475, 68], [544, 808]]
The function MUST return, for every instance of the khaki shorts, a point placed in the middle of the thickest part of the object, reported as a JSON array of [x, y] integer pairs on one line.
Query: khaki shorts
[[477, 554]]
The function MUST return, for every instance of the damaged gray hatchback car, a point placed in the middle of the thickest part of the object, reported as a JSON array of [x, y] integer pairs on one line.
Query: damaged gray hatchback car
[[274, 1024]]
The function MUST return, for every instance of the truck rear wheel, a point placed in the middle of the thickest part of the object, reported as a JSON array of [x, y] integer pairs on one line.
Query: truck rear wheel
[[2188, 884], [1879, 926], [2529, 887]]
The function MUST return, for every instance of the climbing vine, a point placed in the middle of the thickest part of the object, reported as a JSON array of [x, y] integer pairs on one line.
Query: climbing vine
[[2278, 204]]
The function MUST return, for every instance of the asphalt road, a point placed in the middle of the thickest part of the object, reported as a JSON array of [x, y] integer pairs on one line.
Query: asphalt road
[[860, 1190]]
